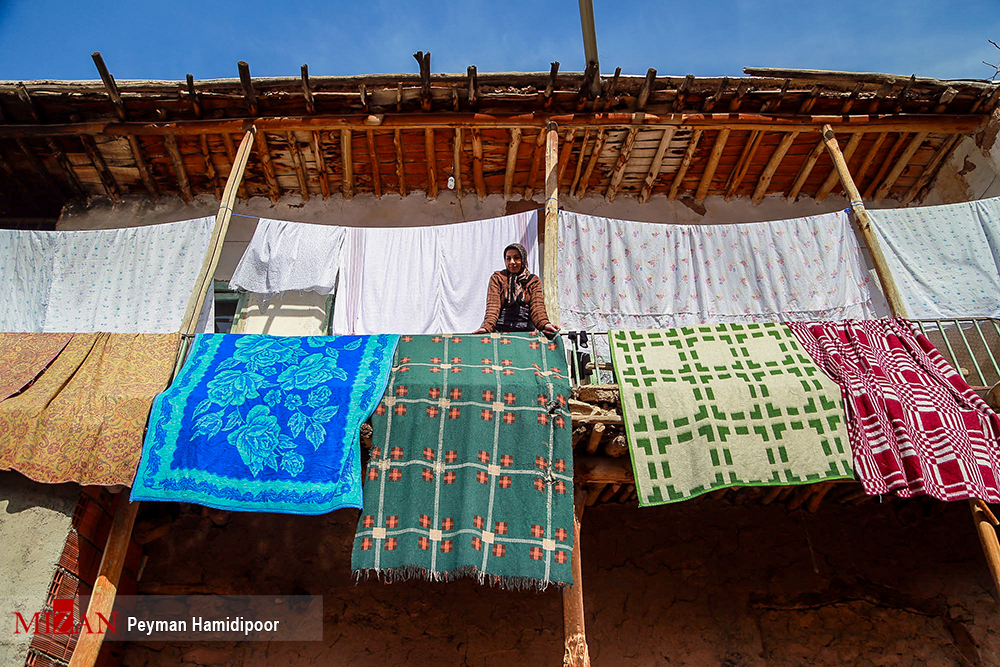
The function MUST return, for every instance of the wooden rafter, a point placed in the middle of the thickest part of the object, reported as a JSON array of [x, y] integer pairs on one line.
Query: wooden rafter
[[432, 183], [373, 161], [595, 155], [180, 171], [581, 158], [508, 174], [456, 161], [618, 173], [249, 96], [94, 155], [685, 163], [772, 166], [59, 155], [743, 164], [536, 163], [264, 154], [897, 169], [886, 165], [317, 151], [565, 153], [869, 158], [206, 154], [477, 164], [656, 164], [299, 164], [931, 169], [397, 140], [347, 157], [307, 92], [806, 169], [833, 179], [713, 163], [227, 141]]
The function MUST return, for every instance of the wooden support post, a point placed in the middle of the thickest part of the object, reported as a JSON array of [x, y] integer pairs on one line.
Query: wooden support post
[[397, 140], [618, 173], [508, 174], [347, 157], [432, 179], [574, 629], [300, 170], [477, 164], [595, 155], [317, 149], [904, 159], [551, 260], [772, 166], [373, 161], [834, 177], [264, 153], [806, 169], [713, 163], [456, 161], [655, 165], [685, 163]]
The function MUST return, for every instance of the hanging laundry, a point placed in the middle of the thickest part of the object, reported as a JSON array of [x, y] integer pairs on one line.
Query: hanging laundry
[[425, 280], [83, 418], [711, 407], [945, 260], [265, 423], [636, 275], [290, 256], [471, 468], [134, 280], [916, 427], [24, 356]]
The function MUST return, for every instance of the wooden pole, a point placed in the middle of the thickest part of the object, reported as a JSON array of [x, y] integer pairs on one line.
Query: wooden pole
[[864, 223], [549, 265], [980, 513], [574, 631]]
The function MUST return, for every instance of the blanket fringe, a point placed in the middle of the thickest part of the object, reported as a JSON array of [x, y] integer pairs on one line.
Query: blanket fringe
[[398, 574]]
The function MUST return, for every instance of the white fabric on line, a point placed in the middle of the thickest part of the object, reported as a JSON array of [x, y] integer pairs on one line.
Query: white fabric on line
[[290, 256], [134, 280], [636, 275], [945, 260], [425, 280]]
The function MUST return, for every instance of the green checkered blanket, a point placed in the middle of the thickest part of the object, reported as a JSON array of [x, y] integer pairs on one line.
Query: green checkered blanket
[[726, 405], [471, 469]]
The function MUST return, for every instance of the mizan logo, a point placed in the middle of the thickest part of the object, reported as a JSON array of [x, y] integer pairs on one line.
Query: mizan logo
[[60, 621]]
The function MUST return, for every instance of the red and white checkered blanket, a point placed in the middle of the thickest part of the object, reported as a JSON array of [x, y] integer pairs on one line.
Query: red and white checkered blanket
[[915, 425]]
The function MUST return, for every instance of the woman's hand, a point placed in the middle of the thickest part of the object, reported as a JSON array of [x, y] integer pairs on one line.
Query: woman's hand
[[550, 328], [480, 330]]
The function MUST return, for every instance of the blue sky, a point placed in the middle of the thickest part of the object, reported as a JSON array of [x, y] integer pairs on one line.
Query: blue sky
[[53, 39]]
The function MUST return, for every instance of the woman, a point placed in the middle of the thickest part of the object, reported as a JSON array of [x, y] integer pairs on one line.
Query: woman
[[514, 300]]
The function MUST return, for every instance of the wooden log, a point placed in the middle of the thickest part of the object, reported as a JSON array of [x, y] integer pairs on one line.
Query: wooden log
[[564, 154], [595, 155], [771, 495], [743, 164], [685, 164], [618, 173], [810, 101], [94, 155], [646, 89], [603, 470], [870, 156], [551, 259], [227, 141], [536, 163], [206, 155], [180, 171], [297, 162], [988, 538], [864, 224], [897, 169], [347, 157], [709, 102], [307, 92], [931, 169], [76, 188], [596, 433], [508, 175], [264, 154], [579, 162], [799, 497], [815, 500], [806, 169], [102, 598], [248, 92], [456, 162], [473, 86], [397, 140], [886, 165], [834, 177], [609, 492], [317, 151], [578, 434], [772, 165], [713, 163], [574, 630], [616, 447], [846, 78], [852, 99], [432, 178], [477, 164], [550, 86], [373, 161], [424, 60]]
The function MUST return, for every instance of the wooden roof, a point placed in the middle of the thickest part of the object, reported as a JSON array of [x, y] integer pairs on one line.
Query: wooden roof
[[684, 137]]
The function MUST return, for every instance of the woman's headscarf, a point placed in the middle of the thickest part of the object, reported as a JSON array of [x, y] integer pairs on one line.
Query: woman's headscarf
[[517, 281]]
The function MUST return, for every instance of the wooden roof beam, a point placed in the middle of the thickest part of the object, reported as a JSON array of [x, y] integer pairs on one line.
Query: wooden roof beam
[[685, 163], [595, 155], [508, 174], [477, 164], [424, 61], [174, 151], [903, 94], [536, 162], [432, 183], [713, 163], [76, 188], [618, 173], [565, 153], [682, 90], [608, 94], [714, 98], [373, 161], [307, 92], [264, 153], [810, 101], [834, 177], [193, 96], [347, 157], [397, 140], [881, 94], [94, 155], [772, 166], [886, 165], [774, 102], [852, 99], [581, 158], [210, 170], [456, 161], [227, 141], [550, 87], [472, 84], [298, 163], [646, 90], [247, 84], [316, 142], [805, 170], [655, 165], [743, 164], [897, 169], [931, 169]]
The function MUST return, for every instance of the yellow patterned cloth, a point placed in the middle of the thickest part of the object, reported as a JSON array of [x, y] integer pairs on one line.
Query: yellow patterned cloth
[[84, 418], [24, 355]]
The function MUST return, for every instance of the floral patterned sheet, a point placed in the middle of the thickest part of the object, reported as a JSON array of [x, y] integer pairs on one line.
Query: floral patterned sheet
[[265, 423], [616, 274]]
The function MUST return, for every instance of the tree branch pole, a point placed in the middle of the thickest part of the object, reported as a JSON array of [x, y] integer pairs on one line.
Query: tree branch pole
[[102, 600], [984, 527], [551, 259], [577, 654]]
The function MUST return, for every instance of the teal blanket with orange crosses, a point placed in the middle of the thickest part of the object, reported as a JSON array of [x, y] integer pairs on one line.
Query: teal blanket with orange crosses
[[715, 406], [471, 468]]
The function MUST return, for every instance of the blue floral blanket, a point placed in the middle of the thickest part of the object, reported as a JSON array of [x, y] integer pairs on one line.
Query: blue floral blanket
[[265, 423]]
